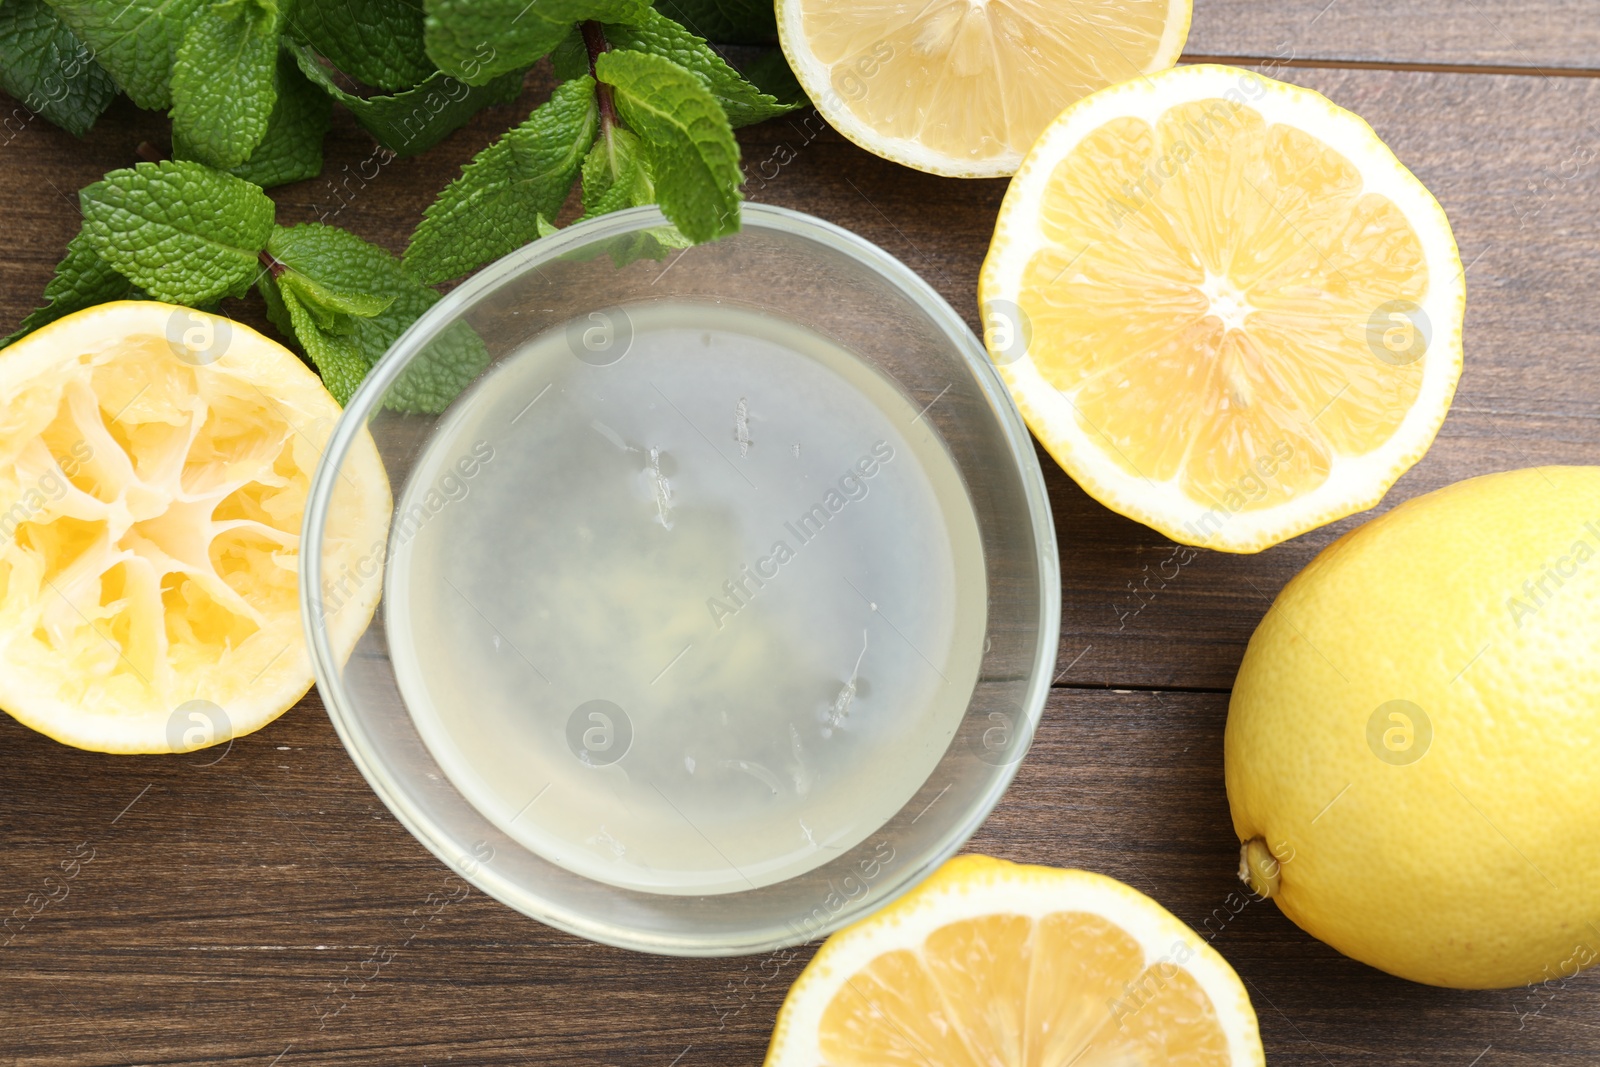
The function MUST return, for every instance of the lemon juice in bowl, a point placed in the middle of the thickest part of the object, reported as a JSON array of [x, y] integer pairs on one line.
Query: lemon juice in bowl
[[685, 598], [719, 605]]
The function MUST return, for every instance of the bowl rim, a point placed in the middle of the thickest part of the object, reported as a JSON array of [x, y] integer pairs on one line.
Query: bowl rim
[[327, 666]]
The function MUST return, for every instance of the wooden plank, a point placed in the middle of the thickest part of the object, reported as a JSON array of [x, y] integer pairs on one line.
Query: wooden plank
[[264, 903], [1538, 34]]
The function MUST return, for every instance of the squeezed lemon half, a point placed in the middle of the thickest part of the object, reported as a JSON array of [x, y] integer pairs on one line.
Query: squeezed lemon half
[[154, 465]]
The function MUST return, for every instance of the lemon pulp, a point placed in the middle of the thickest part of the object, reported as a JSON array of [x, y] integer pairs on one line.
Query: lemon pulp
[[963, 87], [150, 510], [1212, 321], [1067, 987]]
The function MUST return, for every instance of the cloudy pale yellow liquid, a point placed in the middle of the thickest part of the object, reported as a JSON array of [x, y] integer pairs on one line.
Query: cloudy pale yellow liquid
[[696, 621]]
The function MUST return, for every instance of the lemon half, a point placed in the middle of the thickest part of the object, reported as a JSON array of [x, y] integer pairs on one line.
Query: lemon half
[[962, 87], [1224, 306], [154, 464], [996, 964]]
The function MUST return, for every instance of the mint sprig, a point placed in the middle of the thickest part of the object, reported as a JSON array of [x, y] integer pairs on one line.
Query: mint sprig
[[644, 114], [496, 204], [291, 149], [182, 232], [658, 35], [224, 80], [687, 139]]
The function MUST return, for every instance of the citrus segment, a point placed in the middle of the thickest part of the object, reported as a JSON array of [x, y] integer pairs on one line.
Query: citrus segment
[[151, 494], [962, 87], [1242, 313], [990, 963]]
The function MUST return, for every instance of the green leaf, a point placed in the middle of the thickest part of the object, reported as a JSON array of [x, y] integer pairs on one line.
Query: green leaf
[[478, 39], [378, 42], [82, 280], [417, 119], [495, 206], [332, 299], [224, 81], [181, 231], [442, 371], [725, 21], [329, 260], [337, 356], [291, 151], [661, 36], [136, 41], [336, 263], [48, 69], [615, 174], [688, 142], [570, 58]]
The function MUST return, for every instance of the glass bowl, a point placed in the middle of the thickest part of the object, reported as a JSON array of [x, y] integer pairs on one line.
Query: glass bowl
[[457, 694]]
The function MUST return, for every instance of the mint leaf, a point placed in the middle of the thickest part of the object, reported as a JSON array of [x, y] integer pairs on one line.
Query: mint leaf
[[48, 69], [333, 300], [136, 41], [224, 81], [659, 35], [378, 42], [337, 356], [82, 280], [291, 150], [478, 39], [725, 21], [615, 174], [496, 204], [181, 231], [326, 260], [688, 142], [336, 263], [417, 119], [442, 371], [570, 58]]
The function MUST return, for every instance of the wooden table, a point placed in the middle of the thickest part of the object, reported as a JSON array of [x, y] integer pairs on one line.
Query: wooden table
[[230, 905]]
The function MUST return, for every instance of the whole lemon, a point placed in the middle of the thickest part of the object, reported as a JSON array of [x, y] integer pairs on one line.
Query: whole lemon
[[1413, 744]]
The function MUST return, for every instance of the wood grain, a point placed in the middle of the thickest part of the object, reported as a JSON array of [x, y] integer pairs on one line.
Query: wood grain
[[235, 908], [1540, 34], [230, 907]]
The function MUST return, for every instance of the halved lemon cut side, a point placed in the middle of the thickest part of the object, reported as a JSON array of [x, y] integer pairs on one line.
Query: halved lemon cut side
[[1224, 306], [995, 964], [962, 87], [154, 464]]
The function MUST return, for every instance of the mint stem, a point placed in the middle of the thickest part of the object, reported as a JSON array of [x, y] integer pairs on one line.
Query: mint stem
[[274, 268], [594, 39]]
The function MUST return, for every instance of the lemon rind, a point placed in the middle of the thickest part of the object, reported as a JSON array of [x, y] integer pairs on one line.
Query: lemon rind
[[1354, 483], [812, 74], [285, 680], [971, 886]]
